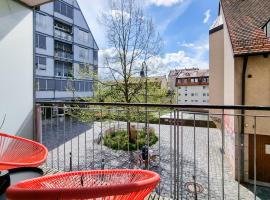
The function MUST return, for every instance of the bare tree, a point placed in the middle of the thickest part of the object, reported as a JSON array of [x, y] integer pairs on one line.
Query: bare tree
[[133, 41]]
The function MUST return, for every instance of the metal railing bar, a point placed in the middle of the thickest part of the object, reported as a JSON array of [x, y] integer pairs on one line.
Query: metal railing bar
[[182, 153], [101, 145], [239, 157], [51, 129], [224, 107], [208, 157], [171, 167], [57, 138], [174, 151], [222, 154], [159, 147], [184, 111], [220, 114], [64, 128], [194, 156], [255, 158], [78, 153], [43, 110], [93, 145], [85, 151], [178, 153], [71, 144]]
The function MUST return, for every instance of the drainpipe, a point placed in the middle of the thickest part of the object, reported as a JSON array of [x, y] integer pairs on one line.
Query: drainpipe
[[242, 136]]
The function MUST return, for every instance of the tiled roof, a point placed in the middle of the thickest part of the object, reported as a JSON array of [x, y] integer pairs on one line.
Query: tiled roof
[[245, 20], [177, 71], [193, 73]]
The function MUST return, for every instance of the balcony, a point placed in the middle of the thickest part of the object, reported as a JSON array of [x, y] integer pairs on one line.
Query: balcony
[[63, 35], [199, 151], [64, 55]]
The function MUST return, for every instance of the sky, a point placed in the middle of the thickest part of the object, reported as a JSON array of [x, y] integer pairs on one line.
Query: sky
[[183, 25]]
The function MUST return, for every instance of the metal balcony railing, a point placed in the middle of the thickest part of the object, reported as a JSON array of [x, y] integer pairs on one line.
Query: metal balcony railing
[[62, 35], [64, 55], [200, 151]]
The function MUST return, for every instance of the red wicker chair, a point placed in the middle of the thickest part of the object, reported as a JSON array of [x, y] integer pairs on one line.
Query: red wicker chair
[[18, 152], [101, 184]]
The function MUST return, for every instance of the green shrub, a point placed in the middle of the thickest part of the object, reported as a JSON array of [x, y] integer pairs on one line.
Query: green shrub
[[118, 140]]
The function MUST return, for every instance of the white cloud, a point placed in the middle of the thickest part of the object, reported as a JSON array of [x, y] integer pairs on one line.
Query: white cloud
[[207, 16], [204, 45], [166, 3], [194, 56], [161, 65]]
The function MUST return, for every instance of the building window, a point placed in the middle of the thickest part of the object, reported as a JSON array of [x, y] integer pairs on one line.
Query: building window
[[63, 50], [40, 41], [50, 84], [83, 53], [192, 94], [266, 29], [63, 69], [41, 20], [186, 100], [41, 62], [45, 84], [83, 37], [63, 9], [204, 87], [64, 85], [41, 86], [88, 86], [95, 53], [204, 94], [205, 80], [83, 86], [186, 94]]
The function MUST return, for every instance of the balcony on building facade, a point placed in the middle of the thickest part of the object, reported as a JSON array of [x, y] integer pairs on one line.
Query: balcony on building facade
[[64, 55], [63, 31], [63, 50]]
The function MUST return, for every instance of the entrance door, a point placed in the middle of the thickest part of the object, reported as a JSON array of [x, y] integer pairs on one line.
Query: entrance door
[[263, 158]]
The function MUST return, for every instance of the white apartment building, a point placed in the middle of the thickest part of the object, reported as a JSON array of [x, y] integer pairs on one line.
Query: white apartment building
[[192, 87]]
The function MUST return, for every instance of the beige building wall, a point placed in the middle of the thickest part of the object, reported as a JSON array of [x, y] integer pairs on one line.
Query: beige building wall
[[257, 93], [228, 69], [216, 68]]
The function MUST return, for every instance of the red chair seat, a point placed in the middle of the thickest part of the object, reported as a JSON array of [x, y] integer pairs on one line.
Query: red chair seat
[[103, 184], [18, 152]]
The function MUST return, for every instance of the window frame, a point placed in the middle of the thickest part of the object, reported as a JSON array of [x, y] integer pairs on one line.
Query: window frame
[[40, 38], [64, 9]]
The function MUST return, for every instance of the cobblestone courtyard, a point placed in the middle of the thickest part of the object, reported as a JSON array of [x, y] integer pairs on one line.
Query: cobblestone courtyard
[[82, 140]]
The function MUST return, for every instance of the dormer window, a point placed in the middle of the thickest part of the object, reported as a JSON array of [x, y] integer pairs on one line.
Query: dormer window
[[266, 29]]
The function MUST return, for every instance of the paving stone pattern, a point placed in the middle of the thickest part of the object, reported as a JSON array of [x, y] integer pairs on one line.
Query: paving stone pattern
[[67, 135]]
